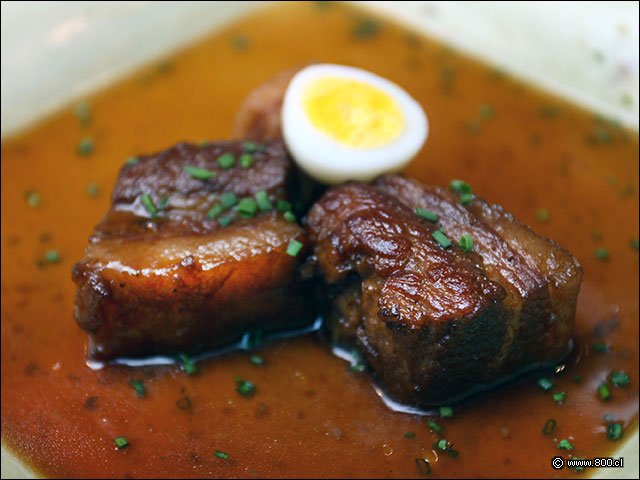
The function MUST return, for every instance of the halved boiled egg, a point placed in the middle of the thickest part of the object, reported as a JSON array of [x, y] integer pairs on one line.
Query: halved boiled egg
[[343, 123]]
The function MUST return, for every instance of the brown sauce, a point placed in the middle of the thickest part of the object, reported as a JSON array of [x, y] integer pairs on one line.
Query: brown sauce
[[309, 415]]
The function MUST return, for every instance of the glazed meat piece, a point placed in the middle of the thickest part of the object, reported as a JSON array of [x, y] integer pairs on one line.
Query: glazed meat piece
[[542, 280], [426, 318], [434, 323], [164, 273]]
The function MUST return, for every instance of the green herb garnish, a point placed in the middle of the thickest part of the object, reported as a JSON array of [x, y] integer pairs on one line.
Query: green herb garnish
[[86, 146], [619, 379], [545, 384], [256, 359], [251, 147], [246, 159], [466, 199], [446, 412], [366, 28], [262, 198], [559, 397], [187, 364], [132, 161], [576, 378], [409, 435], [441, 444], [289, 216], [34, 199], [221, 455], [485, 110], [226, 160], [138, 386], [228, 199], [199, 173], [92, 189], [245, 387], [542, 215], [52, 256], [601, 253], [82, 112], [426, 214], [434, 426], [294, 247], [147, 201], [240, 42], [224, 221], [215, 211], [247, 207], [605, 393], [284, 206], [634, 243], [600, 347], [460, 186], [565, 444], [120, 442], [549, 427], [614, 431], [466, 242], [441, 238]]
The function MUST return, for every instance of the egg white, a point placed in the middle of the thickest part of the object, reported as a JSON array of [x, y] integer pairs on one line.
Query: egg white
[[332, 162]]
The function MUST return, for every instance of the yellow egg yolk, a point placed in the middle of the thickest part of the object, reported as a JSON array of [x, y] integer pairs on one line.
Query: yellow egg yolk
[[352, 113]]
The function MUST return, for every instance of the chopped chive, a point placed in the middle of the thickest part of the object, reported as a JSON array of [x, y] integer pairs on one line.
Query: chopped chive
[[434, 426], [86, 146], [138, 386], [542, 215], [605, 393], [203, 143], [251, 147], [441, 444], [601, 253], [424, 468], [441, 238], [446, 412], [565, 444], [199, 173], [187, 364], [52, 256], [549, 426], [228, 199], [600, 347], [220, 454], [256, 359], [485, 110], [409, 435], [549, 111], [358, 367], [559, 397], [426, 214], [473, 126], [545, 384], [284, 206], [215, 211], [358, 363], [614, 431], [460, 186], [466, 199], [247, 207], [224, 221], [34, 199], [366, 28], [184, 403], [619, 379], [596, 234], [132, 161], [82, 112], [262, 199], [289, 216], [246, 159], [294, 247], [92, 189], [165, 66], [245, 387], [147, 201], [240, 42], [164, 203], [120, 442], [466, 242], [226, 160], [447, 77], [634, 243], [576, 378], [254, 338]]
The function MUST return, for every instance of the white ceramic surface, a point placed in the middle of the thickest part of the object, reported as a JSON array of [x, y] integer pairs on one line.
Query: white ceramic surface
[[55, 52]]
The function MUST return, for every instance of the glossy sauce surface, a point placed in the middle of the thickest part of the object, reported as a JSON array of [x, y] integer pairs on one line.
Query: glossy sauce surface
[[310, 416]]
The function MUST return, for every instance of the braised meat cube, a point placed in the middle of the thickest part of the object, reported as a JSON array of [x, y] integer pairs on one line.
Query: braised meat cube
[[192, 253]]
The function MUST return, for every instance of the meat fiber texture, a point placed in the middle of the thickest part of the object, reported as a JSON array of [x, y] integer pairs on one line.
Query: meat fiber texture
[[178, 281], [433, 323]]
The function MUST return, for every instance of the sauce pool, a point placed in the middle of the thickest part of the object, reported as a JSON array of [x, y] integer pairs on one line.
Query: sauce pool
[[569, 174]]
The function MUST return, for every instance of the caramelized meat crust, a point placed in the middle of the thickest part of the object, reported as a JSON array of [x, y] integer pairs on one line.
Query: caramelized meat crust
[[434, 323], [426, 318], [178, 281]]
